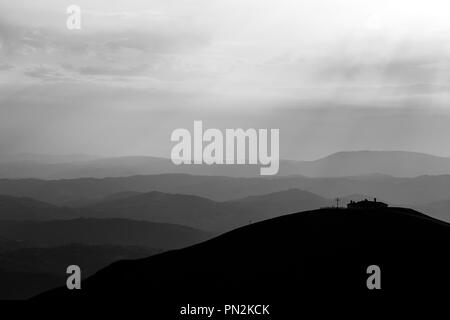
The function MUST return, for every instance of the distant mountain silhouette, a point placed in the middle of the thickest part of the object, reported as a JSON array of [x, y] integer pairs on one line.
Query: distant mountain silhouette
[[289, 198], [393, 163], [44, 268], [43, 158], [354, 197], [78, 203], [288, 261], [439, 209], [22, 208], [121, 195], [156, 206], [272, 205], [187, 210], [116, 167], [347, 163], [79, 192], [102, 232], [203, 213]]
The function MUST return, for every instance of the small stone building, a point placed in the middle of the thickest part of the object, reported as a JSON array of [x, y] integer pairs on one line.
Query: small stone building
[[366, 204]]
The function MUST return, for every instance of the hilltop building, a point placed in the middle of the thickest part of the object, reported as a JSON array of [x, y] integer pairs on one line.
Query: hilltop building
[[366, 204]]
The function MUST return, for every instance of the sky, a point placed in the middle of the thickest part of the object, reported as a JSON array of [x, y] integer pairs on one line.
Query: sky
[[332, 75]]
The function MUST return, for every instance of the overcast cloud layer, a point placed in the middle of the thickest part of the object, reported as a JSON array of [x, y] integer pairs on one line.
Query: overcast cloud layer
[[331, 74]]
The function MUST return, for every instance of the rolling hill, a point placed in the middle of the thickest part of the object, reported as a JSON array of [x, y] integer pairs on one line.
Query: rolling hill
[[202, 213], [23, 208], [28, 271], [285, 201], [439, 209], [317, 256], [102, 232], [55, 260], [187, 210], [362, 163], [340, 164], [79, 192], [10, 245], [156, 206]]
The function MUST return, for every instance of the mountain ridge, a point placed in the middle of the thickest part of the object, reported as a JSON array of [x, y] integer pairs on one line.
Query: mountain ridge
[[339, 164], [108, 231], [78, 192], [202, 213], [26, 208]]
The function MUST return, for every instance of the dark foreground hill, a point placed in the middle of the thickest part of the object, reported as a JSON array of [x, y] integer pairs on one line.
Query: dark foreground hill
[[28, 271], [8, 245], [289, 261]]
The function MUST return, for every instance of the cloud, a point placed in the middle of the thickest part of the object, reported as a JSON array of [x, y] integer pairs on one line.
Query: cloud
[[403, 64], [110, 70], [46, 74], [227, 51], [124, 53], [16, 39], [147, 14], [166, 42], [5, 66]]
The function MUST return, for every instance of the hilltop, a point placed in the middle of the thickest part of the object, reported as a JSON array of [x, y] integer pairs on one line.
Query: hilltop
[[308, 256]]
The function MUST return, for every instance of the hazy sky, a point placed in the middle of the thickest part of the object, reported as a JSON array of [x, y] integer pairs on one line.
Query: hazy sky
[[330, 74]]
